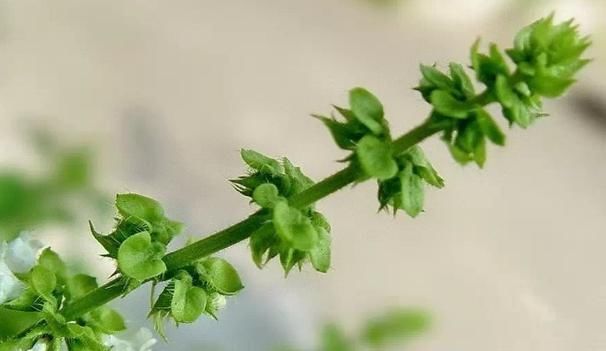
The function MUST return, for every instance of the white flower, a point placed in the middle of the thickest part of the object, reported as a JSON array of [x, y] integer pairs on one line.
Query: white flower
[[10, 286], [18, 256], [21, 254], [217, 301], [142, 340], [39, 346]]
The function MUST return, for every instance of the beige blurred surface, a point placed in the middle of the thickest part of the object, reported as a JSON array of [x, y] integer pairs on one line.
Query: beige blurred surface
[[507, 258]]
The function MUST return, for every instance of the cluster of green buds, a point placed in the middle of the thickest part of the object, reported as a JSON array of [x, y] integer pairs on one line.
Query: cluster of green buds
[[195, 290], [139, 239], [36, 281], [365, 131], [139, 242], [295, 234], [546, 58]]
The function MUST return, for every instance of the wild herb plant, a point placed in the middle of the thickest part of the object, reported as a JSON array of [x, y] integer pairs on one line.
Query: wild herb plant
[[72, 309]]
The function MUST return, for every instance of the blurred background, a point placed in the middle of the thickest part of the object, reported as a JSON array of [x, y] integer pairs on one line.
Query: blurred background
[[166, 93]]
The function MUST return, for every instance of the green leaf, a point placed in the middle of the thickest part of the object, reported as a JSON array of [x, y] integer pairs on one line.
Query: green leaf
[[462, 157], [188, 302], [447, 105], [28, 301], [489, 127], [80, 285], [140, 259], [479, 152], [51, 261], [80, 338], [367, 109], [267, 195], [221, 275], [412, 194], [260, 162], [376, 158], [320, 254], [43, 281], [293, 227], [107, 320], [139, 206]]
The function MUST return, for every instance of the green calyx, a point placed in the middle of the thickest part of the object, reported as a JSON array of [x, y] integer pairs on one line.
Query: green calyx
[[197, 289], [140, 237], [364, 117], [295, 234], [401, 175], [406, 190], [548, 55]]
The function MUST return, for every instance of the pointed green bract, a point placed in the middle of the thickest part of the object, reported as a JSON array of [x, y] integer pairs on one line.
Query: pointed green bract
[[43, 281]]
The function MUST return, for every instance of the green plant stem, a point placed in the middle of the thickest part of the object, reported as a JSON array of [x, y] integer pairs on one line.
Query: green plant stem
[[242, 230]]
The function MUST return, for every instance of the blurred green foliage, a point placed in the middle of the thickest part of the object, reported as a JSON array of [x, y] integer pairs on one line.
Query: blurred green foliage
[[394, 328], [54, 193]]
